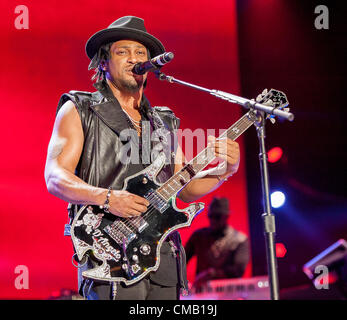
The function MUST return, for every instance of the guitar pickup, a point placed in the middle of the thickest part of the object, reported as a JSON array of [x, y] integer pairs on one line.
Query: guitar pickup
[[120, 233], [156, 201], [139, 223]]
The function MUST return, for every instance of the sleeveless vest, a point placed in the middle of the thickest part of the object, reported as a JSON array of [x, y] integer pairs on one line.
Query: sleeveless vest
[[107, 130]]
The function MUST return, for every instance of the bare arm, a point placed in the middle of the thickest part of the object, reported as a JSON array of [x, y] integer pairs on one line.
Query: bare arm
[[64, 151]]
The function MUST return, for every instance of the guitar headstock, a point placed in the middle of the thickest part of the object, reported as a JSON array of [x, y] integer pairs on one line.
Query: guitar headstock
[[273, 98]]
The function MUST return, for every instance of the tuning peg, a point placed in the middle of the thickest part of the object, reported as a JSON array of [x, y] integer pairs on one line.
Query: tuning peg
[[272, 120], [286, 109], [259, 98], [268, 102]]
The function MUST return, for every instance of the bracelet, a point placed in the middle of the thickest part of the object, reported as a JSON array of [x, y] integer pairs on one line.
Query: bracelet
[[106, 205]]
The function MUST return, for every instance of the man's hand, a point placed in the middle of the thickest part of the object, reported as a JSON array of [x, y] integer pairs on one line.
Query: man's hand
[[125, 204], [227, 150]]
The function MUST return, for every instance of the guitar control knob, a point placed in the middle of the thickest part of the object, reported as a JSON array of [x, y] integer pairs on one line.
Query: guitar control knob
[[145, 249], [135, 258]]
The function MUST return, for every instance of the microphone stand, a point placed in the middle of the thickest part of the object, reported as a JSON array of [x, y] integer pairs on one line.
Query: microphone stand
[[268, 217]]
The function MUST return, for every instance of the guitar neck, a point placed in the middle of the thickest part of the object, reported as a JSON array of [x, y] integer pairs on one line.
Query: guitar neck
[[171, 187]]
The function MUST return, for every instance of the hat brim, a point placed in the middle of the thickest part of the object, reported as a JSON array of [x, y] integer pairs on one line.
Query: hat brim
[[154, 46]]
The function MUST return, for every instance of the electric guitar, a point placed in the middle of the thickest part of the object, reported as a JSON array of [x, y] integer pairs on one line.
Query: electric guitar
[[129, 248]]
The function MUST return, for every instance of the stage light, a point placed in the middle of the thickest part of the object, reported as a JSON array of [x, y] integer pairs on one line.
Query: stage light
[[281, 250], [274, 154], [277, 199]]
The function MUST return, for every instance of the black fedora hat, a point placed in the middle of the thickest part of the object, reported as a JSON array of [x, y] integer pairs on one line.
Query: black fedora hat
[[128, 27]]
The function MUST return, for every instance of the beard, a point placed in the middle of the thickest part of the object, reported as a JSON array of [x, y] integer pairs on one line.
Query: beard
[[131, 86], [127, 83]]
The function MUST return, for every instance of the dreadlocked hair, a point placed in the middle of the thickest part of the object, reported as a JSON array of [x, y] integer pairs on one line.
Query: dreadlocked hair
[[98, 61]]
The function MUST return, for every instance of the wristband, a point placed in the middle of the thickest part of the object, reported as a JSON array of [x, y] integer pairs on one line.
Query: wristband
[[106, 205]]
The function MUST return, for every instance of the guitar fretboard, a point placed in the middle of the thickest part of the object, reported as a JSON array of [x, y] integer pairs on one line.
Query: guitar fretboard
[[203, 159]]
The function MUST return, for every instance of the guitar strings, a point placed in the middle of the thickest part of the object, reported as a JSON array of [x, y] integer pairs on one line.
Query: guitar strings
[[244, 120]]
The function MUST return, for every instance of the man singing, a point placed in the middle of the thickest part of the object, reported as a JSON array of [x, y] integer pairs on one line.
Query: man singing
[[85, 160]]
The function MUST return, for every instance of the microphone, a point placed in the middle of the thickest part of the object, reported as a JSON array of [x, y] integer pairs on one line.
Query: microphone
[[153, 64]]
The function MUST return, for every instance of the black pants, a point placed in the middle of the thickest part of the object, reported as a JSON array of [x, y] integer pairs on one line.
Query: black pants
[[145, 289]]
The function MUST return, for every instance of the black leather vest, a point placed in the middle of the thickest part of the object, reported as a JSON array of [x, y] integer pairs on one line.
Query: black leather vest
[[106, 128], [106, 131]]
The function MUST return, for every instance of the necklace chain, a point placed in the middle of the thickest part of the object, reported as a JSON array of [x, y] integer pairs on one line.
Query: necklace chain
[[133, 121]]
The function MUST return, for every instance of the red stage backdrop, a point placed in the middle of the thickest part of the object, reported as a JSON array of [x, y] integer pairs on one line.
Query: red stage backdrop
[[47, 59]]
